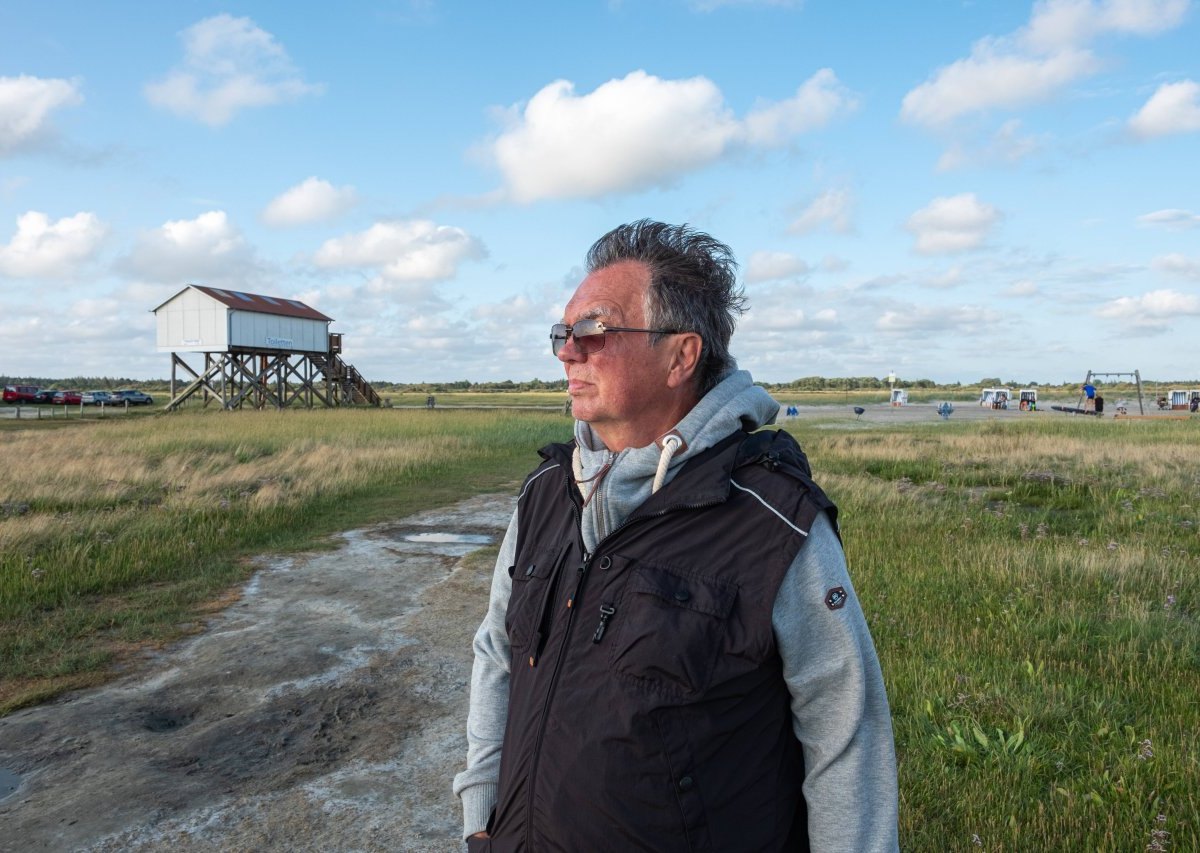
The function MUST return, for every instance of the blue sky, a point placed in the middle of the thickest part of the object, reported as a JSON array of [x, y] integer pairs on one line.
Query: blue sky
[[946, 190]]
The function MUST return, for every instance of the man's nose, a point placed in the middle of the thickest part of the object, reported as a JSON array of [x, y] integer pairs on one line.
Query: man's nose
[[570, 352]]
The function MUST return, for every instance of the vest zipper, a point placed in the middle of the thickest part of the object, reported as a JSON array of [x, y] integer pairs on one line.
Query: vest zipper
[[572, 607], [562, 650]]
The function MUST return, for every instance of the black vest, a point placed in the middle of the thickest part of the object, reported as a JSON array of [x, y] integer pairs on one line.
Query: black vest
[[647, 707]]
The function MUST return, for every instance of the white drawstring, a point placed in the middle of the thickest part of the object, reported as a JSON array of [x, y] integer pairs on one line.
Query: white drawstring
[[577, 470], [670, 445]]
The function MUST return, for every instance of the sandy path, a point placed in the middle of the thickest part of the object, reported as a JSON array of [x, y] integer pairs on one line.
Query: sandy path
[[323, 711]]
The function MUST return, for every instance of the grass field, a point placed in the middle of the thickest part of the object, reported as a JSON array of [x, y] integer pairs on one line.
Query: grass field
[[1031, 585], [119, 533]]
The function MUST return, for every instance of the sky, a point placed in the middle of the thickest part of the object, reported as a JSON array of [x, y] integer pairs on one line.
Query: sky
[[940, 189]]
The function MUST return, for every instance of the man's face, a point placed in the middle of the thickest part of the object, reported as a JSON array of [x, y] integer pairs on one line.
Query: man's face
[[622, 390]]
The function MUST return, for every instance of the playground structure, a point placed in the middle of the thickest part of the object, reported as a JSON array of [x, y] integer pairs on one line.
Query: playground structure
[[1094, 375]]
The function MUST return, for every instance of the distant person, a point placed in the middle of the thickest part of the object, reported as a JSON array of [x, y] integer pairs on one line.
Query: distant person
[[1089, 394], [674, 657], [430, 402], [1098, 402]]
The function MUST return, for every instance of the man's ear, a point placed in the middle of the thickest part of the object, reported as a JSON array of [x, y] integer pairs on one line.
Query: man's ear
[[685, 359]]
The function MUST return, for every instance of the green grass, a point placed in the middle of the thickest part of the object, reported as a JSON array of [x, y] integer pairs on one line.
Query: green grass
[[1031, 585], [1032, 590], [487, 399], [130, 529]]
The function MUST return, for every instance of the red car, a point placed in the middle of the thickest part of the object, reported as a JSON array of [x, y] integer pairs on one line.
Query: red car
[[20, 393], [67, 398]]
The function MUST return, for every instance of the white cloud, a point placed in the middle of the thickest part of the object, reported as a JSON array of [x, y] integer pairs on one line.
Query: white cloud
[[819, 100], [1177, 264], [1058, 23], [883, 281], [45, 249], [769, 266], [641, 131], [1173, 108], [403, 251], [1171, 218], [1153, 310], [952, 224], [26, 104], [834, 208], [1037, 61], [990, 78], [926, 318], [229, 64], [952, 277], [1022, 288], [203, 250], [312, 200], [1006, 147], [515, 309]]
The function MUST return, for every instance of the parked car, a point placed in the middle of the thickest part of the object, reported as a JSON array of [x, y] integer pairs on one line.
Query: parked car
[[67, 398], [95, 398], [46, 395], [20, 393], [133, 398]]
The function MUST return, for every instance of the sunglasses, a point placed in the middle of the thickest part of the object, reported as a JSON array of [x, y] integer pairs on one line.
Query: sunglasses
[[589, 335]]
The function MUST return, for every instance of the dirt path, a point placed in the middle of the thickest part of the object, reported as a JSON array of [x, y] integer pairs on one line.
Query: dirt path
[[325, 710]]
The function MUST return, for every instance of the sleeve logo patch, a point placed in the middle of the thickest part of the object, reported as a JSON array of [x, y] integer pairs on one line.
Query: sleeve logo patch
[[836, 598]]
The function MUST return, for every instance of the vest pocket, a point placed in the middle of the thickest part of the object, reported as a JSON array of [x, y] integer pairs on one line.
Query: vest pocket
[[669, 628], [533, 578]]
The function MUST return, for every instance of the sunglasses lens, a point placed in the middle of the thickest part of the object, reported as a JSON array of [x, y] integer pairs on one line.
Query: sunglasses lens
[[558, 337], [588, 336]]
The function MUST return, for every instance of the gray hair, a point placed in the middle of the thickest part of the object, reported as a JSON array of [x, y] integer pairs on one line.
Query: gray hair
[[693, 286]]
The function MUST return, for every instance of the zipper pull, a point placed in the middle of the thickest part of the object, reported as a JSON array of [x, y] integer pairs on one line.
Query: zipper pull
[[606, 612], [581, 571]]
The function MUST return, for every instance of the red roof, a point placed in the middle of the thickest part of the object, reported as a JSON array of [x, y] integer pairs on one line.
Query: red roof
[[241, 301]]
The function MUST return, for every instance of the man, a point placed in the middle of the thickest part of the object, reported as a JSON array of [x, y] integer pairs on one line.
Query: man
[[673, 656]]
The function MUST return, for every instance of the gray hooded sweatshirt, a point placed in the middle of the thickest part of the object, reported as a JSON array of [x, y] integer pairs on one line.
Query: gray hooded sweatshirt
[[839, 708]]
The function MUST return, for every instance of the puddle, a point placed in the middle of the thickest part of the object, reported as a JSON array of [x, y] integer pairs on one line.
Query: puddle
[[449, 538], [9, 782]]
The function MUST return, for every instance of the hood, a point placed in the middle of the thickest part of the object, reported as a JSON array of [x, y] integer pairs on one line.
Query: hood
[[612, 493]]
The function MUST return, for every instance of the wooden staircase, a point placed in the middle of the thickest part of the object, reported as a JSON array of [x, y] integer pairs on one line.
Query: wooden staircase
[[347, 387]]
